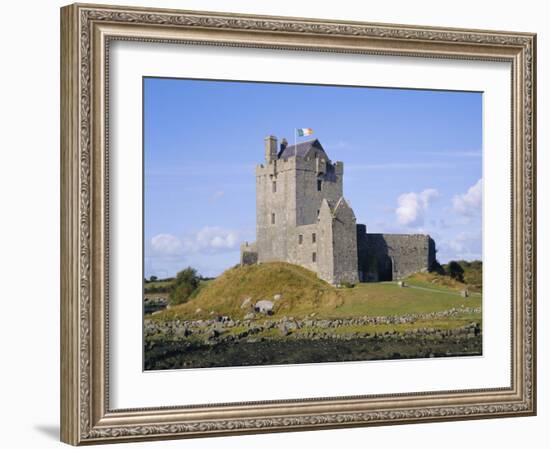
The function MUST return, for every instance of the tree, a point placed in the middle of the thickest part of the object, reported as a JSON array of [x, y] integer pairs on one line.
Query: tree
[[186, 282], [153, 279], [455, 271], [437, 268]]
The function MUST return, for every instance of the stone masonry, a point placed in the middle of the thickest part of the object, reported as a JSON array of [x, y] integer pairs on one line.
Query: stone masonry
[[303, 218]]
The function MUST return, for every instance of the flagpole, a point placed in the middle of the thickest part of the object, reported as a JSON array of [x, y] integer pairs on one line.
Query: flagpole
[[295, 132]]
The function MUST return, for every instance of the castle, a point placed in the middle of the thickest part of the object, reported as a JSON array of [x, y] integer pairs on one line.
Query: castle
[[303, 218]]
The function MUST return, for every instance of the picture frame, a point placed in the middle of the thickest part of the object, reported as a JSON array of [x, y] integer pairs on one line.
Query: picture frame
[[87, 31]]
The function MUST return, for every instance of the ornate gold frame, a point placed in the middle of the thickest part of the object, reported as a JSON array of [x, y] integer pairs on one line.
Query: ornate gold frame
[[86, 31]]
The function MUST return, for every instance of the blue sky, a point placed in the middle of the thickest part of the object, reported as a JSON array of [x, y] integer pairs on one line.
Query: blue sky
[[412, 163]]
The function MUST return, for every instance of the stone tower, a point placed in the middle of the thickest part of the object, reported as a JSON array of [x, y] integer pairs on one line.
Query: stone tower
[[303, 218]]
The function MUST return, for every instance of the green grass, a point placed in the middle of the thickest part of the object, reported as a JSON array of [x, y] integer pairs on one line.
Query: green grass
[[303, 294], [201, 286], [387, 298], [473, 274], [157, 284], [301, 290]]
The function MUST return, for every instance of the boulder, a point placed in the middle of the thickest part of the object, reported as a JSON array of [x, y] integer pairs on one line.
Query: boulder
[[264, 306], [284, 329]]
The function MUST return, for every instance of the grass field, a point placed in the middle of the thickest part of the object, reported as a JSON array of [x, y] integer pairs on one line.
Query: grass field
[[313, 321], [159, 284], [303, 294]]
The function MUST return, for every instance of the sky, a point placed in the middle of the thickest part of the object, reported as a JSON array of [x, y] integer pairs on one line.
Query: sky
[[412, 163]]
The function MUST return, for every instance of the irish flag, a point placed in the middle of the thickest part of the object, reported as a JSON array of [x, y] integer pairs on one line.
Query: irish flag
[[304, 132]]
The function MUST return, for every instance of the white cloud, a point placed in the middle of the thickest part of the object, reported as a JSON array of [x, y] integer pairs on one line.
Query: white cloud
[[465, 245], [411, 206], [208, 240], [469, 204], [166, 244], [214, 238]]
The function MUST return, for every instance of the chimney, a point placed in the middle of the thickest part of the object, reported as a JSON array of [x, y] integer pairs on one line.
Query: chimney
[[284, 144], [270, 148]]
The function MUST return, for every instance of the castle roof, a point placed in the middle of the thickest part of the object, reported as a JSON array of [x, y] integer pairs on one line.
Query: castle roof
[[300, 150]]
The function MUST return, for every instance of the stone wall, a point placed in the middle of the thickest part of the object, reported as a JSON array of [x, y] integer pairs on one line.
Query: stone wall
[[301, 250], [308, 198], [383, 257], [272, 236], [249, 253], [325, 248], [344, 241]]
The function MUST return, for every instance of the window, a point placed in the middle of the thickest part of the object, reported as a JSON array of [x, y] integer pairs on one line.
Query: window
[[318, 213], [272, 217], [300, 239], [314, 257], [319, 185], [313, 238], [274, 187]]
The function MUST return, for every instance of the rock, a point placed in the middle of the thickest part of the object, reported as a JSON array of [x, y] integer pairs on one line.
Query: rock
[[291, 325], [277, 297], [249, 316], [464, 293], [284, 329], [401, 284], [264, 306], [198, 311], [213, 333], [246, 303]]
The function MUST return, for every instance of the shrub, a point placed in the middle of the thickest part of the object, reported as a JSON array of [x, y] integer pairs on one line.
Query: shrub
[[186, 282], [437, 268], [455, 271]]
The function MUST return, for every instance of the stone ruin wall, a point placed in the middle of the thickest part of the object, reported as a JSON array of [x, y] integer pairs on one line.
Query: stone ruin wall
[[393, 256], [344, 242], [249, 253]]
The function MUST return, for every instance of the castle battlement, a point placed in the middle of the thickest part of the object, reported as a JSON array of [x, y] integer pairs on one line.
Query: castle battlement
[[303, 218]]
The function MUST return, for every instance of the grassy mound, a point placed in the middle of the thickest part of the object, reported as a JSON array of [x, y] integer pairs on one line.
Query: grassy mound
[[301, 292]]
